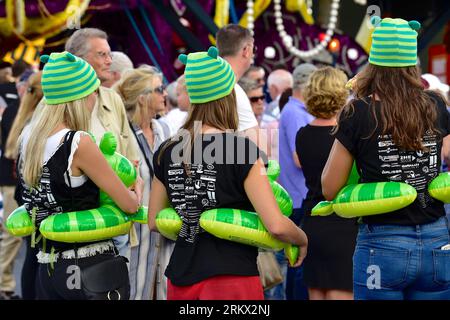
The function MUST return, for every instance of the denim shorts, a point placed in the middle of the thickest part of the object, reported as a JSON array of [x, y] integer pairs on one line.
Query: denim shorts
[[393, 262]]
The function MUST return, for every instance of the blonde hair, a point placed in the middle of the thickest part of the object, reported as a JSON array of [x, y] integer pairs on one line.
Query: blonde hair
[[74, 114], [325, 93], [133, 84], [27, 106]]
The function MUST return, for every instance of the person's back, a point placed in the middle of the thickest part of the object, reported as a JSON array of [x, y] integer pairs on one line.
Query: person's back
[[208, 185], [215, 171], [293, 117], [395, 131], [61, 170]]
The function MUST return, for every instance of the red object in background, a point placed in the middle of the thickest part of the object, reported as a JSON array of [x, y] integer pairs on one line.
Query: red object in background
[[334, 45], [439, 62]]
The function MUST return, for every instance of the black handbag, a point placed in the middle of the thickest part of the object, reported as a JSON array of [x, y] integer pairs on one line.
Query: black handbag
[[106, 280]]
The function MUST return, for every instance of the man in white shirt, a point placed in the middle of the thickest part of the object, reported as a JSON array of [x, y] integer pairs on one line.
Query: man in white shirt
[[237, 46]]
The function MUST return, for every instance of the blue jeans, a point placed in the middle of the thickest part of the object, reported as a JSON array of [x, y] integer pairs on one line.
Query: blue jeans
[[393, 262], [121, 243], [447, 212]]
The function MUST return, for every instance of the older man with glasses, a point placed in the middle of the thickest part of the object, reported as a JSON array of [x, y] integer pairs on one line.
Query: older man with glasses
[[109, 112]]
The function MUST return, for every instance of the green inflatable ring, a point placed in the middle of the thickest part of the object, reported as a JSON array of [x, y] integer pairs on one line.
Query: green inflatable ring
[[236, 225], [104, 222], [439, 188], [365, 199]]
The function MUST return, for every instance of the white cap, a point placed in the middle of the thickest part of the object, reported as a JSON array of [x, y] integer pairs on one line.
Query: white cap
[[435, 83]]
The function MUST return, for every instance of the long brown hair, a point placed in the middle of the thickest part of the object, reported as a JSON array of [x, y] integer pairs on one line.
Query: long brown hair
[[220, 114], [406, 110]]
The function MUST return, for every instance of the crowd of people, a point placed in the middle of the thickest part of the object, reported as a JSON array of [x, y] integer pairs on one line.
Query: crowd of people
[[389, 121]]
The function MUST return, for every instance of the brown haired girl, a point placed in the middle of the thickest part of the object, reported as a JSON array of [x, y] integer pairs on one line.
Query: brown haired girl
[[203, 266], [394, 130]]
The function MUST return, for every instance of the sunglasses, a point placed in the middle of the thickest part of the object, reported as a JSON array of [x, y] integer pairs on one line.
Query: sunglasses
[[255, 99], [159, 89]]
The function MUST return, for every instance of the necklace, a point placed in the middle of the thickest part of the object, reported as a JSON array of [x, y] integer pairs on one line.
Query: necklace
[[286, 38]]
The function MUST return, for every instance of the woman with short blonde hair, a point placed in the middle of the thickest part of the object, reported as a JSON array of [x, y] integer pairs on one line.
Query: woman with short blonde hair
[[328, 269]]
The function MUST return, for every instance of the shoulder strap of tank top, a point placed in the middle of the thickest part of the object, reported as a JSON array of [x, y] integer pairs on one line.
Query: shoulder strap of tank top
[[68, 138]]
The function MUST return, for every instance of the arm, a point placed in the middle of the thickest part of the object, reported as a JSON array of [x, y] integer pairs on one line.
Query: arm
[[336, 171], [91, 161], [281, 227], [297, 160], [293, 124], [446, 150], [158, 201]]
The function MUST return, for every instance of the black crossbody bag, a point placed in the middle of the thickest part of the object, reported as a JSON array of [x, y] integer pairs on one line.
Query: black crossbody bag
[[107, 279]]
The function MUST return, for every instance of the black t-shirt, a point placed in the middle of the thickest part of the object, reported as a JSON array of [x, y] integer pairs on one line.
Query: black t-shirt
[[211, 183], [313, 145], [379, 159]]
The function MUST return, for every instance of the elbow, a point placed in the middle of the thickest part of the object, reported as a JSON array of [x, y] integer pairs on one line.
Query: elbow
[[152, 225], [327, 190], [327, 193], [276, 231]]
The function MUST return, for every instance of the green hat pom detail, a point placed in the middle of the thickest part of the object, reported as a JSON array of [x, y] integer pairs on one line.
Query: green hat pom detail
[[70, 57], [44, 58], [212, 52], [375, 20], [415, 25], [183, 58]]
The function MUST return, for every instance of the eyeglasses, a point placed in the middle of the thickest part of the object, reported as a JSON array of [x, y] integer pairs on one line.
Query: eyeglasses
[[255, 99], [104, 55]]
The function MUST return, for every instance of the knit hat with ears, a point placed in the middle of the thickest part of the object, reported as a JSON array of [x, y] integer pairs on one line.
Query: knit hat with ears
[[208, 76], [394, 42], [66, 77]]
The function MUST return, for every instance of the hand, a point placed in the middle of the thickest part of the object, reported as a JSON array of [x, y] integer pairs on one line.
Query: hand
[[138, 188], [303, 248], [301, 256]]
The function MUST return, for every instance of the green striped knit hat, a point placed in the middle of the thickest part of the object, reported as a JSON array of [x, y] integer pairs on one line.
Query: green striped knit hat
[[66, 77], [208, 77], [394, 42]]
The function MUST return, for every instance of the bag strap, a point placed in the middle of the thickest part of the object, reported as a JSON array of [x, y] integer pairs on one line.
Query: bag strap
[[143, 145]]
